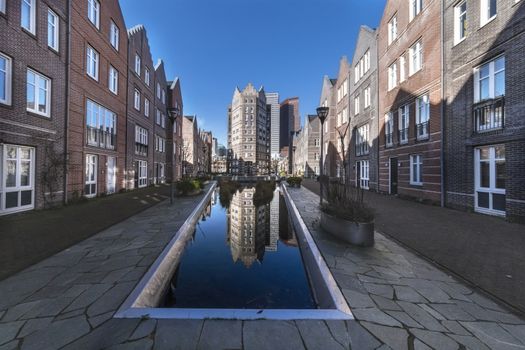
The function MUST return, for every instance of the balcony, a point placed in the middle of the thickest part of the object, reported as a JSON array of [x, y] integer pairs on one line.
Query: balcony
[[100, 138], [403, 136], [422, 131], [489, 115]]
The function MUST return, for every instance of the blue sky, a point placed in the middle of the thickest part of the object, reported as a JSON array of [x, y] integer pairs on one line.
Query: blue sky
[[215, 45]]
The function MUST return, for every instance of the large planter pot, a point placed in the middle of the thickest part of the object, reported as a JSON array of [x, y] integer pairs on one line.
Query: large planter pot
[[356, 233]]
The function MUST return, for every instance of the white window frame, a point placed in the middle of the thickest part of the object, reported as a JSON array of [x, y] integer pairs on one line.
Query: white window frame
[[458, 15], [392, 76], [416, 178], [415, 7], [367, 97], [103, 123], [91, 175], [158, 91], [345, 115], [422, 114], [146, 107], [364, 174], [136, 99], [92, 62], [138, 63], [18, 185], [32, 15], [53, 26], [357, 106], [8, 72], [389, 128], [491, 77], [404, 123], [392, 29], [37, 88], [492, 189], [146, 76], [94, 12], [113, 80], [415, 62], [114, 35], [484, 6], [2, 6], [362, 140], [142, 176], [402, 71], [356, 73]]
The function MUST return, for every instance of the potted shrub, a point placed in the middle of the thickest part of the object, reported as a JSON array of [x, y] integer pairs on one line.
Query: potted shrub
[[294, 181], [346, 216], [188, 187]]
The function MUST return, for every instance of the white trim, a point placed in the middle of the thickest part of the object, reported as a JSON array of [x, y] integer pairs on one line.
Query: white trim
[[91, 175], [94, 12], [55, 27], [8, 79], [114, 35], [416, 159], [492, 189], [37, 87], [92, 62], [18, 186], [113, 80], [32, 15], [3, 6]]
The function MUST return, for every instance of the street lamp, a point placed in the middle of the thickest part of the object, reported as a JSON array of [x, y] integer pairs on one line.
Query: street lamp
[[173, 114], [322, 113]]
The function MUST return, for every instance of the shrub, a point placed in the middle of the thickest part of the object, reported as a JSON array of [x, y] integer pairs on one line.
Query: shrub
[[226, 190], [294, 181], [188, 186], [346, 202], [263, 192]]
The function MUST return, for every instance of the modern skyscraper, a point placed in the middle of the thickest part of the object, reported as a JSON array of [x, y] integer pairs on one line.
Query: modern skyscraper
[[249, 132], [290, 120], [273, 110]]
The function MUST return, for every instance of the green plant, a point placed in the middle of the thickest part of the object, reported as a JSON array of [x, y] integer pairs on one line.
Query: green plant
[[188, 186], [346, 202], [226, 190], [263, 192], [294, 181]]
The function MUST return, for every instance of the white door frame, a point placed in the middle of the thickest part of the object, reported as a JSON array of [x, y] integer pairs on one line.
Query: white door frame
[[111, 178], [492, 174], [95, 169]]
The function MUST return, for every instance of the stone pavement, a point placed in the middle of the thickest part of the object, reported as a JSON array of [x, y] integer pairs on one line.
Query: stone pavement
[[404, 301], [68, 300]]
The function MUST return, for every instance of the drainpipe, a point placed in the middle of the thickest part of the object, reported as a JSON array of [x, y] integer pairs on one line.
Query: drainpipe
[[66, 122], [126, 157], [443, 104]]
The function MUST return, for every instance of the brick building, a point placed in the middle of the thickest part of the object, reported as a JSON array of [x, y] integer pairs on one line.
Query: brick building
[[485, 110], [409, 80], [162, 127], [33, 63], [363, 154], [342, 120], [175, 137], [190, 146], [96, 130], [329, 99]]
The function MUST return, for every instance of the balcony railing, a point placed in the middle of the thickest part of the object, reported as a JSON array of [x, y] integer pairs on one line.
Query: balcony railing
[[100, 138], [403, 135], [389, 139], [422, 130], [489, 115]]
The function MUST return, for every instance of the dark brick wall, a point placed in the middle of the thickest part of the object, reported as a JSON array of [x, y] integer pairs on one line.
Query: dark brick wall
[[175, 144], [160, 78], [17, 126]]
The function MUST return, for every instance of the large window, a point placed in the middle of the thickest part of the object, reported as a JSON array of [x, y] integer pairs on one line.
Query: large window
[[146, 107], [392, 76], [362, 140], [101, 126], [90, 186], [2, 6], [160, 144], [357, 107], [416, 166], [52, 30], [141, 141], [28, 15], [392, 30], [367, 97], [146, 76], [113, 80], [460, 21], [114, 34], [422, 117], [17, 177], [364, 174], [402, 65], [38, 93], [490, 176], [137, 64], [5, 79], [404, 118], [94, 12], [415, 8], [389, 129], [92, 60], [416, 58], [489, 80], [136, 99], [142, 173], [489, 10]]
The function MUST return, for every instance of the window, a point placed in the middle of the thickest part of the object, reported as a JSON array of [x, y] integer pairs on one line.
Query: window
[[345, 88], [114, 33], [415, 8], [94, 12], [158, 91], [52, 30], [92, 63], [404, 118], [5, 79], [367, 97], [392, 30], [489, 10], [113, 80], [362, 140], [157, 119], [28, 15], [38, 93], [356, 105], [316, 142], [163, 120], [2, 6], [136, 99], [160, 144], [364, 171], [146, 107], [146, 76], [416, 165], [142, 173], [356, 74], [366, 58], [163, 96], [422, 116], [401, 69], [17, 177], [389, 129], [460, 21], [416, 58], [392, 76], [345, 115], [141, 141], [90, 187], [159, 173], [490, 177], [137, 64], [101, 126], [489, 80]]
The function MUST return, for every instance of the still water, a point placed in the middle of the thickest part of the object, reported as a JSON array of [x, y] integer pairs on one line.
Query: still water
[[243, 256]]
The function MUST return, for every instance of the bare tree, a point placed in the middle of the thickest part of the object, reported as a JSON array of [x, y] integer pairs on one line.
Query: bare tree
[[52, 171], [342, 136]]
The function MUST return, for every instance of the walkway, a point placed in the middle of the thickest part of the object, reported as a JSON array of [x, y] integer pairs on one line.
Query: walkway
[[30, 237], [406, 302], [486, 251]]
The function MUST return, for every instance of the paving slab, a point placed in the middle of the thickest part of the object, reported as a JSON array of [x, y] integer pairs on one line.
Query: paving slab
[[271, 335], [221, 334]]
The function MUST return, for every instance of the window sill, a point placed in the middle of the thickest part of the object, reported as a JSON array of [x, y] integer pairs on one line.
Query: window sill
[[37, 114], [31, 34], [483, 24], [417, 184], [92, 77], [423, 138]]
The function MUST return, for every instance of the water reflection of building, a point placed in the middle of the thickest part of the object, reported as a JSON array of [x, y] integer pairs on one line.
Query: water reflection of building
[[272, 235], [247, 227]]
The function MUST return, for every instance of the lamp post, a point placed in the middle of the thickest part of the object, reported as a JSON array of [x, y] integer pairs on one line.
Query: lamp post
[[322, 113], [173, 114]]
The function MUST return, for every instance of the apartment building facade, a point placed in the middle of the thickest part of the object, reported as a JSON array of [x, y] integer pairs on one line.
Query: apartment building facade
[[329, 99], [162, 127], [342, 121], [290, 121], [190, 146], [485, 110], [273, 110], [364, 126], [409, 80], [174, 142], [33, 64], [96, 131]]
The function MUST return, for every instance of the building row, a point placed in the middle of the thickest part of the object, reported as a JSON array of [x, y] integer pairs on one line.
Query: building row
[[84, 109], [430, 107]]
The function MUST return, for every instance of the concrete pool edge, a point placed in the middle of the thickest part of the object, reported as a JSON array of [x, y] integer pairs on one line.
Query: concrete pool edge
[[141, 303]]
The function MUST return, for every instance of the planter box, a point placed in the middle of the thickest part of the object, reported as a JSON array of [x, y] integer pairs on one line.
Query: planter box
[[361, 234]]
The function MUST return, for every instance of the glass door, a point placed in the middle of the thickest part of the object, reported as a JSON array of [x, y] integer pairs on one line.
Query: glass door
[[111, 175], [90, 188], [17, 187], [490, 176]]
